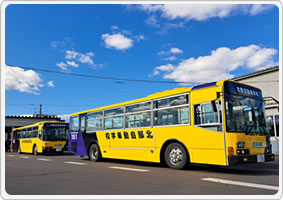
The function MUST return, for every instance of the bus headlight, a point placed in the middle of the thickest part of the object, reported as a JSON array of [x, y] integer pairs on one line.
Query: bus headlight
[[240, 144], [46, 143]]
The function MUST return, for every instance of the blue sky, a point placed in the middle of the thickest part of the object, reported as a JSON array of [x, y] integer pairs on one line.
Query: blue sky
[[185, 43]]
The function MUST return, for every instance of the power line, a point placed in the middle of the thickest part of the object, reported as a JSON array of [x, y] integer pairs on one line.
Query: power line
[[106, 77], [119, 80]]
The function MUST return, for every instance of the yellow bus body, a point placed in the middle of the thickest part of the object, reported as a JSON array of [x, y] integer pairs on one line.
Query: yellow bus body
[[26, 144], [203, 146]]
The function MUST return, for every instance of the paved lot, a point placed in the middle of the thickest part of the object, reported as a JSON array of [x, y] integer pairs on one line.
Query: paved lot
[[72, 175]]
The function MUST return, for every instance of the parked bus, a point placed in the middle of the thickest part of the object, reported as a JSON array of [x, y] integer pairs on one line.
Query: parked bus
[[42, 137], [218, 123]]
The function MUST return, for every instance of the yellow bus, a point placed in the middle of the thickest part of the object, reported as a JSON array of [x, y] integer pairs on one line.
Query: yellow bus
[[42, 137], [218, 123]]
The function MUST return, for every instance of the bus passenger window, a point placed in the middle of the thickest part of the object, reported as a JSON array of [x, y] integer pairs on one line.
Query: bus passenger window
[[74, 124], [197, 113], [82, 124]]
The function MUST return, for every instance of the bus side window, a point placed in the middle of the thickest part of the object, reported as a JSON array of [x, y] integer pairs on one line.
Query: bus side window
[[75, 124], [197, 113], [82, 124]]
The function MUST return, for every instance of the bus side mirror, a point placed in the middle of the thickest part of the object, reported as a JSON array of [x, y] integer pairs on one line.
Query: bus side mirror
[[218, 95], [213, 105], [40, 135]]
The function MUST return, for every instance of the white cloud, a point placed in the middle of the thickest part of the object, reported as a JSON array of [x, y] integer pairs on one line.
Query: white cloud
[[72, 63], [175, 50], [117, 41], [170, 58], [86, 58], [70, 54], [62, 65], [17, 78], [114, 27], [162, 68], [153, 21], [220, 64], [72, 57], [50, 84], [202, 12]]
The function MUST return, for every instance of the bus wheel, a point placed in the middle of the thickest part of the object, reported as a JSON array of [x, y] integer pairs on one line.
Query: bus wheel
[[176, 156], [35, 150], [19, 150], [94, 152]]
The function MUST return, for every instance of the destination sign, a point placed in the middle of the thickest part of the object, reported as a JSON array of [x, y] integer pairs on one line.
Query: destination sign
[[56, 125], [234, 88]]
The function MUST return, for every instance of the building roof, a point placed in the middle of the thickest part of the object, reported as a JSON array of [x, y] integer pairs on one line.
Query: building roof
[[44, 116], [257, 73]]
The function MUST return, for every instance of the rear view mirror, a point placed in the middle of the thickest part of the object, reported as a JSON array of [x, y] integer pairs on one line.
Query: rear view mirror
[[213, 105]]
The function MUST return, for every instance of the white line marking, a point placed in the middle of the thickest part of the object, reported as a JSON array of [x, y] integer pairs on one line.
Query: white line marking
[[24, 157], [43, 159], [11, 155], [267, 187], [75, 163], [130, 169]]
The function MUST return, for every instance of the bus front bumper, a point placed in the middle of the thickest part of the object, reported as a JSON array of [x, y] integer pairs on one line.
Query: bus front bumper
[[242, 159], [51, 150]]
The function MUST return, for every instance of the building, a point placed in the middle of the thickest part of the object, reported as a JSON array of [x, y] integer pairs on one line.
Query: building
[[12, 121], [268, 81]]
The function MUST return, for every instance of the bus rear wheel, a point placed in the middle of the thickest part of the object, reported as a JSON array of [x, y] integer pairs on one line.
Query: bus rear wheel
[[94, 153], [176, 156], [35, 150]]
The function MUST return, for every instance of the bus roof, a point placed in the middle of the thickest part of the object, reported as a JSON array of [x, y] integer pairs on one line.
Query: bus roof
[[38, 123], [157, 95]]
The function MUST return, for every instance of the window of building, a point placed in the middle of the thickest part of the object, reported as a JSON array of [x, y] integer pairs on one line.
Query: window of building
[[273, 125]]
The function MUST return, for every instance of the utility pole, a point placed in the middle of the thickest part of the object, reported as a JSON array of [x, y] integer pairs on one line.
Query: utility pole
[[40, 110]]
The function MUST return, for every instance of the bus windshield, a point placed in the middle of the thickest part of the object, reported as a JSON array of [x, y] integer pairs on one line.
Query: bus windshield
[[55, 133], [245, 114]]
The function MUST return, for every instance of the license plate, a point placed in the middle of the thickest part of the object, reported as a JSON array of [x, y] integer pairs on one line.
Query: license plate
[[58, 149], [260, 158]]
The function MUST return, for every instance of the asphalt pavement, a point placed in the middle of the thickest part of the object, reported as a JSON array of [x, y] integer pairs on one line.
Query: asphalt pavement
[[68, 174]]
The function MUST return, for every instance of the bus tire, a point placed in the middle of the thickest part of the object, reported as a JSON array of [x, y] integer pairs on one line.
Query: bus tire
[[35, 150], [175, 156], [94, 152], [19, 150]]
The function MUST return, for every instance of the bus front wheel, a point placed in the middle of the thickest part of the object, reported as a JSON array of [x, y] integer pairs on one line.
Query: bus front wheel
[[35, 150], [94, 152], [19, 150], [176, 156]]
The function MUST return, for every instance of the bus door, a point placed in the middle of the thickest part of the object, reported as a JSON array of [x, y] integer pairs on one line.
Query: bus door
[[208, 126], [76, 141]]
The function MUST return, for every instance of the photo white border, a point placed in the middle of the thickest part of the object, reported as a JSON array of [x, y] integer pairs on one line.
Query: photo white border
[[5, 195]]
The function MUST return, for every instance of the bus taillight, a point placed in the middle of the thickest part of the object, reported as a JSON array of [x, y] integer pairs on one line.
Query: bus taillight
[[230, 151]]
